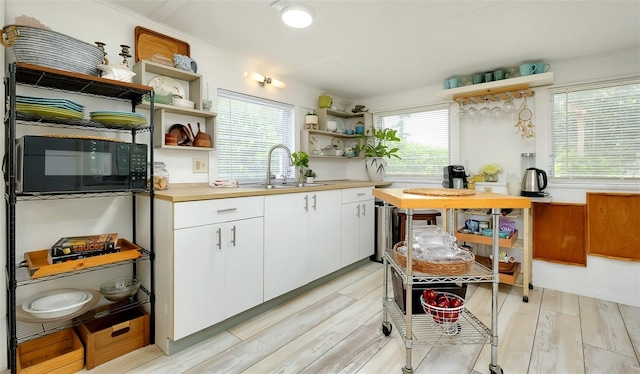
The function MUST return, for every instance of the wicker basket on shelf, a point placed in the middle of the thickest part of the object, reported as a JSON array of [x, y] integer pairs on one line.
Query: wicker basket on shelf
[[434, 267]]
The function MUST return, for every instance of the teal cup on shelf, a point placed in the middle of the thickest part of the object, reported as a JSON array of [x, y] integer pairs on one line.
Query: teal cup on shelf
[[488, 77], [445, 84], [454, 82], [541, 67], [500, 74], [527, 69], [477, 78]]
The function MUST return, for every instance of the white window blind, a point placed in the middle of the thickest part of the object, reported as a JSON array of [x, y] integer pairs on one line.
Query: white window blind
[[595, 131], [247, 127], [424, 148]]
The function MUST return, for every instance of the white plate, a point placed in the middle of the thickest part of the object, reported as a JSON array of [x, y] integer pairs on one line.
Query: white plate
[[167, 86], [58, 312], [58, 301]]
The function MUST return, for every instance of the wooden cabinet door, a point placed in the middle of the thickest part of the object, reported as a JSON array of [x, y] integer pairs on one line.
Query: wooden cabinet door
[[613, 225], [559, 233]]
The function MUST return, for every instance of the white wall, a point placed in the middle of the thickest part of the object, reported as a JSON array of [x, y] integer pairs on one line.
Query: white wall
[[476, 144]]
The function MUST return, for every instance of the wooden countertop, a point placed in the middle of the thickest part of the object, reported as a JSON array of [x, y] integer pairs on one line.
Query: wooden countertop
[[398, 198], [201, 191]]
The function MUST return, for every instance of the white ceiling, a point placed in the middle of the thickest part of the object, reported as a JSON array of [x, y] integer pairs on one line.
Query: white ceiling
[[357, 49]]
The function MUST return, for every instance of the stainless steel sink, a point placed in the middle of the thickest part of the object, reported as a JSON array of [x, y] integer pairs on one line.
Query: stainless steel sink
[[279, 185]]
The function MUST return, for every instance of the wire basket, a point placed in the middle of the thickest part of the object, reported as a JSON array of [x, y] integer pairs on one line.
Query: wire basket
[[444, 321], [435, 267]]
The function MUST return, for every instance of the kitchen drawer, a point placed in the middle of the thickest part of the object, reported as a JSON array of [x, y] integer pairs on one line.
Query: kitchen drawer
[[352, 195], [196, 213]]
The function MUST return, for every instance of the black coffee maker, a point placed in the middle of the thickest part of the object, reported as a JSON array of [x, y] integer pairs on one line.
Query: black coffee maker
[[454, 177]]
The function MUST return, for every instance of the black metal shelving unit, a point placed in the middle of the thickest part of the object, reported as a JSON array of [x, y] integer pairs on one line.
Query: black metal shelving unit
[[22, 74]]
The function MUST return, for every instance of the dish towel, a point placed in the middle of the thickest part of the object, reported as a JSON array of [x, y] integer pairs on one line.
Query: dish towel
[[232, 183]]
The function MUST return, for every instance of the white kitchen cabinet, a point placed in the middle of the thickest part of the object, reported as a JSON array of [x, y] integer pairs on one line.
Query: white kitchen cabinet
[[358, 220], [216, 261], [302, 240]]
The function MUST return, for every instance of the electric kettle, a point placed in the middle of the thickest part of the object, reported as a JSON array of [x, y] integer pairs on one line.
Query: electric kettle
[[533, 182]]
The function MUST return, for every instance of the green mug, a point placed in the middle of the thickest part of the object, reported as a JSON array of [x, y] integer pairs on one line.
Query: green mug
[[500, 74], [527, 69]]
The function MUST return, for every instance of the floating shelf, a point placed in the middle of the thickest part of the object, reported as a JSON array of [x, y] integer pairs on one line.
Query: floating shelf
[[493, 91]]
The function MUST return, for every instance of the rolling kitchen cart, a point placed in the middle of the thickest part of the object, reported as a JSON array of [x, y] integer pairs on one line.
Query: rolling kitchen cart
[[417, 329]]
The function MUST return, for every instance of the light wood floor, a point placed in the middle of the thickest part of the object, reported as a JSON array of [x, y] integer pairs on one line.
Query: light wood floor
[[336, 328]]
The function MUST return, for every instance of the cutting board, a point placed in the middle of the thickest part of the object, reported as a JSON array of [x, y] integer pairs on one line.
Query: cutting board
[[149, 43]]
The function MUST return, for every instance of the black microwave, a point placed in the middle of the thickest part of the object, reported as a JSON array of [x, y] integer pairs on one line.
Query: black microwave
[[48, 164]]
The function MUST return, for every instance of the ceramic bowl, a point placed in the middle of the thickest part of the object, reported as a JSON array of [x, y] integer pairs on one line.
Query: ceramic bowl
[[176, 101]]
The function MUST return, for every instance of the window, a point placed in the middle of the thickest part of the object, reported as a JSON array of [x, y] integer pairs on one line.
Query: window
[[247, 127], [595, 131], [424, 148]]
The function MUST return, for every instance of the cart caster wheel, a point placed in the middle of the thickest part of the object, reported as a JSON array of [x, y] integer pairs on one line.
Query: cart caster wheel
[[386, 328], [407, 371], [530, 286], [495, 369], [525, 299]]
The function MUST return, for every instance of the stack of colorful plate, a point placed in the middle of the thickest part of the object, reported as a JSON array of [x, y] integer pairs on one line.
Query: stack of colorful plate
[[48, 107], [119, 118]]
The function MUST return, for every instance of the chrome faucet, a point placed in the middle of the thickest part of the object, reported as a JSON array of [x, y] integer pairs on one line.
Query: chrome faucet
[[268, 182]]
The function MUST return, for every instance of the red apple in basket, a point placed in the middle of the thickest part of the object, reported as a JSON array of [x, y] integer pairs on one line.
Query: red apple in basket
[[456, 303], [429, 294]]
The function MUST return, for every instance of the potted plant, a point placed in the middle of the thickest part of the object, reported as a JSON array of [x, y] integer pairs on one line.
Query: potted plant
[[311, 120], [309, 175], [301, 161], [377, 150], [490, 172]]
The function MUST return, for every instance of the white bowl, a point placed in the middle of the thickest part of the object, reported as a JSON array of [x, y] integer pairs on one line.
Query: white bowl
[[332, 125], [183, 103], [56, 308]]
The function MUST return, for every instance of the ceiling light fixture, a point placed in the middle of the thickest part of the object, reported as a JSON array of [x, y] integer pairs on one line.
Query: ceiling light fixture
[[296, 16], [262, 80]]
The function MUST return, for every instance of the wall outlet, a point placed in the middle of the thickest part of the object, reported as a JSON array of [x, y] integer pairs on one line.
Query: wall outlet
[[488, 189], [200, 165]]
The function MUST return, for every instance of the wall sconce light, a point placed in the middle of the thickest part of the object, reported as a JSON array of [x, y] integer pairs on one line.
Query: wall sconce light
[[262, 80]]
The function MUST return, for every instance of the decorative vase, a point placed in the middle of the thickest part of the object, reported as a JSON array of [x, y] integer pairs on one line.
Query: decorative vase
[[301, 173], [491, 177], [376, 168]]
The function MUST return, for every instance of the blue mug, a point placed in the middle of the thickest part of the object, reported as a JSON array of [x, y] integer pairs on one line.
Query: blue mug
[[527, 69], [541, 67], [446, 84], [454, 82], [359, 129]]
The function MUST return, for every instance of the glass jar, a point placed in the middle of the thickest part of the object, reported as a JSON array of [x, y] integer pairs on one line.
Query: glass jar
[[160, 176], [527, 160]]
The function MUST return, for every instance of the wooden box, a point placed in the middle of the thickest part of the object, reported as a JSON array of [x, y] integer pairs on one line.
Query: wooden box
[[60, 352], [114, 335]]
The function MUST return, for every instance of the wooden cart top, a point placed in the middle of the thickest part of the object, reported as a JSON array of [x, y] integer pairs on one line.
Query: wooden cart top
[[400, 199]]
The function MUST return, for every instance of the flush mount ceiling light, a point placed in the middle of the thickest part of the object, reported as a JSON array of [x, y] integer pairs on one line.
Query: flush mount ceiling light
[[293, 15], [262, 80]]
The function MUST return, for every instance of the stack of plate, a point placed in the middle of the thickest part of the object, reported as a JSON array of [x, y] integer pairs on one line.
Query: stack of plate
[[57, 303], [119, 118], [42, 106], [52, 49]]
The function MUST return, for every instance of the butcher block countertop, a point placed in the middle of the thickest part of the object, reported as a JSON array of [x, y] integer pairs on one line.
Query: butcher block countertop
[[400, 199], [202, 191]]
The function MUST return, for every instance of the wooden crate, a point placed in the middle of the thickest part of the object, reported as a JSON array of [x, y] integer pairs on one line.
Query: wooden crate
[[114, 335], [60, 352], [39, 266]]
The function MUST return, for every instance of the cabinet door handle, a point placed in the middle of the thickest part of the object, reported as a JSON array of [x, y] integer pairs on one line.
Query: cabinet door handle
[[358, 212], [306, 203], [364, 210], [219, 232], [314, 202], [233, 235], [361, 194], [228, 210]]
